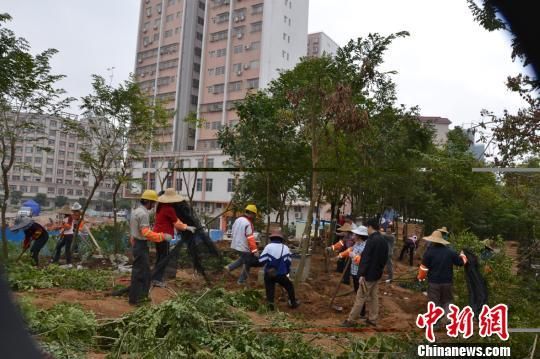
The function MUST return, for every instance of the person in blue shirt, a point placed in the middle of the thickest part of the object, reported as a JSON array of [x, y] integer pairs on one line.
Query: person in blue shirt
[[276, 258]]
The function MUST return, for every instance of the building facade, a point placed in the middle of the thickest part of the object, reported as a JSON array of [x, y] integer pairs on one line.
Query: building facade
[[203, 57], [319, 44], [441, 125], [52, 165]]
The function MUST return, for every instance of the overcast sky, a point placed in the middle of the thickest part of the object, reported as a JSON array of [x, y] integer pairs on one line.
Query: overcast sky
[[449, 66]]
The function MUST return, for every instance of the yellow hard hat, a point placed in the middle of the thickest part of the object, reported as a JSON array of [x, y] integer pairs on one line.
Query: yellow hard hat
[[252, 208], [150, 195]]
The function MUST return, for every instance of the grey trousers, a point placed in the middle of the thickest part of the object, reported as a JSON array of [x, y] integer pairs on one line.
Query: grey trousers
[[370, 298], [440, 294]]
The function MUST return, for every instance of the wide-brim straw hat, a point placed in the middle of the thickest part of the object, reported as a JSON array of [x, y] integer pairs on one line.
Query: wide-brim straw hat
[[443, 230], [436, 237], [64, 210], [345, 228], [170, 196], [21, 223], [276, 233]]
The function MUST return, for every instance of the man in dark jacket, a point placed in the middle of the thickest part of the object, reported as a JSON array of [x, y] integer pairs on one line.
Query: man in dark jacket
[[438, 265], [371, 269]]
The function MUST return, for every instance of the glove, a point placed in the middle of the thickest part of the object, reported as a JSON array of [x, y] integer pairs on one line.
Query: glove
[[167, 237], [192, 229]]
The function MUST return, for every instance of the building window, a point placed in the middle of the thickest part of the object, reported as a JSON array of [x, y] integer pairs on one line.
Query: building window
[[79, 192], [48, 171], [34, 189], [198, 186], [149, 11], [69, 173], [171, 2], [169, 18], [230, 185], [238, 49], [253, 83], [235, 86], [196, 67], [200, 20], [254, 64], [60, 172], [218, 88], [237, 67], [70, 192], [194, 100], [220, 70], [195, 83], [256, 26], [209, 184], [168, 33], [210, 163], [178, 184], [255, 45], [61, 191], [284, 36], [221, 52], [217, 36], [169, 182], [199, 36], [50, 190], [23, 189], [257, 9], [68, 181], [223, 17]]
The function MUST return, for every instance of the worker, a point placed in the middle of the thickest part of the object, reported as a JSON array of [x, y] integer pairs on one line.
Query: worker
[[360, 235], [388, 218], [167, 222], [437, 265], [346, 241], [409, 246], [276, 258], [66, 234], [370, 271], [140, 235], [33, 231], [390, 241], [445, 233], [243, 241]]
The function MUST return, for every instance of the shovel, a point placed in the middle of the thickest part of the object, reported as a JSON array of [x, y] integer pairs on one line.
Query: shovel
[[20, 255], [337, 307]]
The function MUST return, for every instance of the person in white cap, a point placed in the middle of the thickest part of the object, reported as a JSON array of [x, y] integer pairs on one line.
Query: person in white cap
[[409, 246]]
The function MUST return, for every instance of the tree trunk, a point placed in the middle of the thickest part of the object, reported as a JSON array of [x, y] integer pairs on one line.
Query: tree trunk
[[117, 234], [85, 207], [304, 243], [267, 207], [5, 252]]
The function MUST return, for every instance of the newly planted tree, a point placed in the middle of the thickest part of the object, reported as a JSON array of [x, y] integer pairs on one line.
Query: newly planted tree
[[119, 124], [27, 88]]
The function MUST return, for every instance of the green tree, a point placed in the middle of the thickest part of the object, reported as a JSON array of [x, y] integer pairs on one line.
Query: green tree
[[16, 197], [120, 123], [27, 87], [60, 201], [269, 149], [337, 93], [41, 199]]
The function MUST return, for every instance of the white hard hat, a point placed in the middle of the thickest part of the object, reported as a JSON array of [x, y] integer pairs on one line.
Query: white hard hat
[[76, 206]]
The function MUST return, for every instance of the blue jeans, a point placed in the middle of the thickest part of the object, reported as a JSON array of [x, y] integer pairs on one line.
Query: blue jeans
[[245, 261]]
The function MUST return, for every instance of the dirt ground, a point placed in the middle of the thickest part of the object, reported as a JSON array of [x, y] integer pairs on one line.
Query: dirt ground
[[398, 306]]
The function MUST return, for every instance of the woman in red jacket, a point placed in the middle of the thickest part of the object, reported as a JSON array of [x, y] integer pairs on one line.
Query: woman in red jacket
[[167, 222]]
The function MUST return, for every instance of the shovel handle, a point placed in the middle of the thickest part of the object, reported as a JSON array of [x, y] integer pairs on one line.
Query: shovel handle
[[340, 280]]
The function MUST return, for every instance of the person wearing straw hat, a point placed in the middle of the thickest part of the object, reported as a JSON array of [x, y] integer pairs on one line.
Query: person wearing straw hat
[[276, 258], [66, 235], [437, 265], [346, 241], [33, 231], [141, 233], [167, 222], [445, 232], [370, 271], [243, 241]]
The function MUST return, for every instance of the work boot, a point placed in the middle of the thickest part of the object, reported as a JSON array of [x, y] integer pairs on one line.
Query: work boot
[[294, 304], [348, 324]]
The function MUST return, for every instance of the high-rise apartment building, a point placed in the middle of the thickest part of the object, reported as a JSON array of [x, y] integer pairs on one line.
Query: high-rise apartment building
[[204, 56], [168, 63], [319, 43], [246, 43]]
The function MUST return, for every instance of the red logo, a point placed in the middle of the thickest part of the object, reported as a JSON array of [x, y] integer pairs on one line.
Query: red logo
[[494, 321], [429, 319], [460, 321]]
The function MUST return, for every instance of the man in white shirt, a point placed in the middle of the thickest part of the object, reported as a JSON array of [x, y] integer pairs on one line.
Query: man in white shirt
[[243, 241]]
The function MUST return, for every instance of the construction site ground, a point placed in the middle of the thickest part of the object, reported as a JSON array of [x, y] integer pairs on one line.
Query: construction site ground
[[315, 318]]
